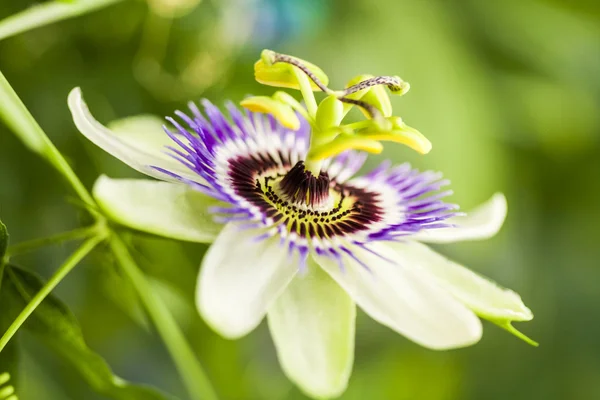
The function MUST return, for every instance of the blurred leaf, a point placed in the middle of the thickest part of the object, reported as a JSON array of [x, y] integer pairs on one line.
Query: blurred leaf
[[178, 303], [123, 294], [3, 241], [44, 14], [57, 326], [172, 8]]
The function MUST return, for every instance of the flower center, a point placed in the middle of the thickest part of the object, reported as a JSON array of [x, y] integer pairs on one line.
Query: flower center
[[296, 201], [300, 186]]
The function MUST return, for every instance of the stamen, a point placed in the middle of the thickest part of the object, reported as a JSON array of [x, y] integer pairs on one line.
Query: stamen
[[300, 186]]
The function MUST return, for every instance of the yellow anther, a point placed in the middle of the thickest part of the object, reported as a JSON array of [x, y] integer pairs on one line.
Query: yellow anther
[[401, 89], [345, 142], [400, 133], [281, 74], [280, 111]]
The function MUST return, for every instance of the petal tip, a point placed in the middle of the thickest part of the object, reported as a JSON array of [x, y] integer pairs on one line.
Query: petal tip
[[74, 98], [469, 335], [226, 329]]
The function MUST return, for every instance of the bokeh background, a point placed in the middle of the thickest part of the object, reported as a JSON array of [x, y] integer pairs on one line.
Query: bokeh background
[[508, 92]]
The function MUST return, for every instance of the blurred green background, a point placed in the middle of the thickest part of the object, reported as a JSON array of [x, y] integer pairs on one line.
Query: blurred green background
[[508, 92]]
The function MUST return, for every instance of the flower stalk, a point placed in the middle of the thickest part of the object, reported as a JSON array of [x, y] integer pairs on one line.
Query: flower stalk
[[21, 122], [190, 370]]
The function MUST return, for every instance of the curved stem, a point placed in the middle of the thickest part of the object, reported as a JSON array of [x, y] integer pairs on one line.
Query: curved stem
[[58, 276], [192, 373], [18, 118], [25, 247]]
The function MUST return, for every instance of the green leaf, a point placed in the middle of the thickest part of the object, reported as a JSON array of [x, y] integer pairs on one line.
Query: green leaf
[[53, 322]]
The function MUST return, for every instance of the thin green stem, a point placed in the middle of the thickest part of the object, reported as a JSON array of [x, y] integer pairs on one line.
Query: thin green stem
[[31, 245], [306, 90], [47, 13], [192, 373], [58, 276], [18, 118]]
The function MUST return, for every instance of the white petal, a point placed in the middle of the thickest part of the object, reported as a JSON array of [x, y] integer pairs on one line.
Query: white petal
[[402, 297], [143, 132], [481, 223], [240, 278], [312, 325], [162, 208], [484, 297], [139, 149]]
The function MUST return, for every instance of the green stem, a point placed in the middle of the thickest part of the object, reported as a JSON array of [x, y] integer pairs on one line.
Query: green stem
[[47, 13], [192, 373], [306, 90], [31, 245], [58, 276], [18, 118]]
